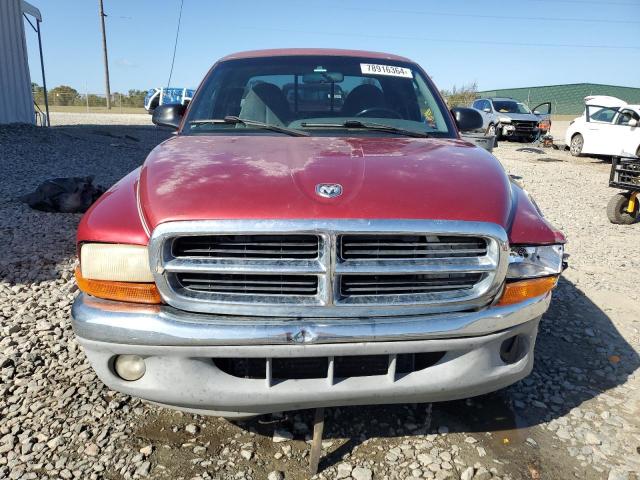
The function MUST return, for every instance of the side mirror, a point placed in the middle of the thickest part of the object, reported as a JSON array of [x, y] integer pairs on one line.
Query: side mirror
[[633, 122], [467, 118], [486, 110], [169, 115]]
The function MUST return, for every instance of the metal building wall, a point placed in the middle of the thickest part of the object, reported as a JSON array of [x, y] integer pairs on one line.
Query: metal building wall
[[565, 99], [16, 100]]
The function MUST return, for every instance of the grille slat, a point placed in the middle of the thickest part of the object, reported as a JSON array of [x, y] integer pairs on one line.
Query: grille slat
[[249, 284], [247, 251], [379, 252], [252, 282], [405, 244], [409, 247], [352, 285], [266, 247]]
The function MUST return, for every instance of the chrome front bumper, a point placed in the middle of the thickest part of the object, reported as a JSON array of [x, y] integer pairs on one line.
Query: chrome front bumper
[[136, 324], [179, 348]]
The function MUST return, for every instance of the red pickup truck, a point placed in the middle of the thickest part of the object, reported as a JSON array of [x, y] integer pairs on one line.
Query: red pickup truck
[[279, 254]]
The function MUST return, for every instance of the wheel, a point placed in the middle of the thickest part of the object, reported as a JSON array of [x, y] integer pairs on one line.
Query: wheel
[[491, 129], [577, 142], [617, 210]]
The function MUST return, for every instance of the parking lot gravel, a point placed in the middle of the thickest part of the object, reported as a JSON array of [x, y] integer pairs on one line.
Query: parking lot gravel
[[575, 416]]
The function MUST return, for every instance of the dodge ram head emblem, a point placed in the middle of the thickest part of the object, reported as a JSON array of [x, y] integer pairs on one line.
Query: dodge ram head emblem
[[329, 190], [303, 336]]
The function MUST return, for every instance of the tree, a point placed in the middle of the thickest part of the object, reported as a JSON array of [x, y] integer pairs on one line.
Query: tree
[[135, 98], [38, 93], [461, 96], [95, 100], [63, 95]]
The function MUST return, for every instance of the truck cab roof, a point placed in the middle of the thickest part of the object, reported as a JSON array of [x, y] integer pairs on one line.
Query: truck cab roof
[[334, 52]]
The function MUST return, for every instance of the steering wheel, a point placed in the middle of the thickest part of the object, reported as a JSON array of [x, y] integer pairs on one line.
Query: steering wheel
[[386, 112]]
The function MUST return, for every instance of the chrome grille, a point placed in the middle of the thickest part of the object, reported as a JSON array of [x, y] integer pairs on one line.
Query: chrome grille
[[524, 126], [401, 247], [406, 284], [249, 284], [247, 246], [328, 268]]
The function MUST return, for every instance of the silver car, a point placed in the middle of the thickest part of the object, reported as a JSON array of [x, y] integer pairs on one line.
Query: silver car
[[506, 117]]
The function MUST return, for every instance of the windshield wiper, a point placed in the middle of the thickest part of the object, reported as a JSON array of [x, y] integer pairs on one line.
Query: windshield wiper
[[380, 127], [251, 123]]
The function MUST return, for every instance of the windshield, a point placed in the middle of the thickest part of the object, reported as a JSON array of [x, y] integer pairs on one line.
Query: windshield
[[509, 106], [304, 92]]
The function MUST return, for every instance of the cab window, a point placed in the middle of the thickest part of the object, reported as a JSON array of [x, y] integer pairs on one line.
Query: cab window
[[601, 114]]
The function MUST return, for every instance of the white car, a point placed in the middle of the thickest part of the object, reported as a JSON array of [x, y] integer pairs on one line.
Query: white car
[[608, 126]]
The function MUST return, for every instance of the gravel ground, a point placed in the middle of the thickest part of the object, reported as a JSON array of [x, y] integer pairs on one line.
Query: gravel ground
[[576, 416], [70, 118]]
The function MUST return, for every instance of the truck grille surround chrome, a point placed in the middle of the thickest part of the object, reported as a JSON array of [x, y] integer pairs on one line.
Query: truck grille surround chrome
[[328, 268]]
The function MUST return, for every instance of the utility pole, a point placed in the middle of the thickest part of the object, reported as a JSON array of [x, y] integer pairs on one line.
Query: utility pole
[[106, 59]]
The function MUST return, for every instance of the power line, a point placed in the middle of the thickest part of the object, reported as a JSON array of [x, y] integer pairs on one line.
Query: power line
[[443, 40], [590, 2], [175, 45], [493, 17]]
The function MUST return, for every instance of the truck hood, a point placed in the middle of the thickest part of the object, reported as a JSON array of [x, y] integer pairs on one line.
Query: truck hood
[[275, 177]]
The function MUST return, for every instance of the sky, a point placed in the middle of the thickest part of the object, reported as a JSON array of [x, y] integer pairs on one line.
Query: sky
[[498, 44]]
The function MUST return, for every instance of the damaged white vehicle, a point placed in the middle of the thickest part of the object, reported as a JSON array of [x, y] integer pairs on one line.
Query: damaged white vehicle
[[608, 126]]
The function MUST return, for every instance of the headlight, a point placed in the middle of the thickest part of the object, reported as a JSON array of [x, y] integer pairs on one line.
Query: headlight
[[532, 262], [123, 263], [116, 272], [533, 272], [504, 119]]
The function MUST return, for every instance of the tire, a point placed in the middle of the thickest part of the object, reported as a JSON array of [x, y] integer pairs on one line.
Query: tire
[[577, 143], [617, 210], [492, 130]]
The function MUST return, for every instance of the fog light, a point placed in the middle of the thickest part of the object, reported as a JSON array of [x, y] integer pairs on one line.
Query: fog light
[[513, 349], [129, 367]]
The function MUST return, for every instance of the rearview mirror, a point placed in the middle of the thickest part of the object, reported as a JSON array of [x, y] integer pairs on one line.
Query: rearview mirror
[[169, 115], [467, 118], [323, 77]]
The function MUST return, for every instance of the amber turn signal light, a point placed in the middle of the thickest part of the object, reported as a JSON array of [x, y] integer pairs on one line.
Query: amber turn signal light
[[122, 291], [515, 292]]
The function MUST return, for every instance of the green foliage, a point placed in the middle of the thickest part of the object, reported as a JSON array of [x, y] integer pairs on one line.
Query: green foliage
[[63, 95], [38, 93], [135, 98], [461, 96], [95, 100]]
